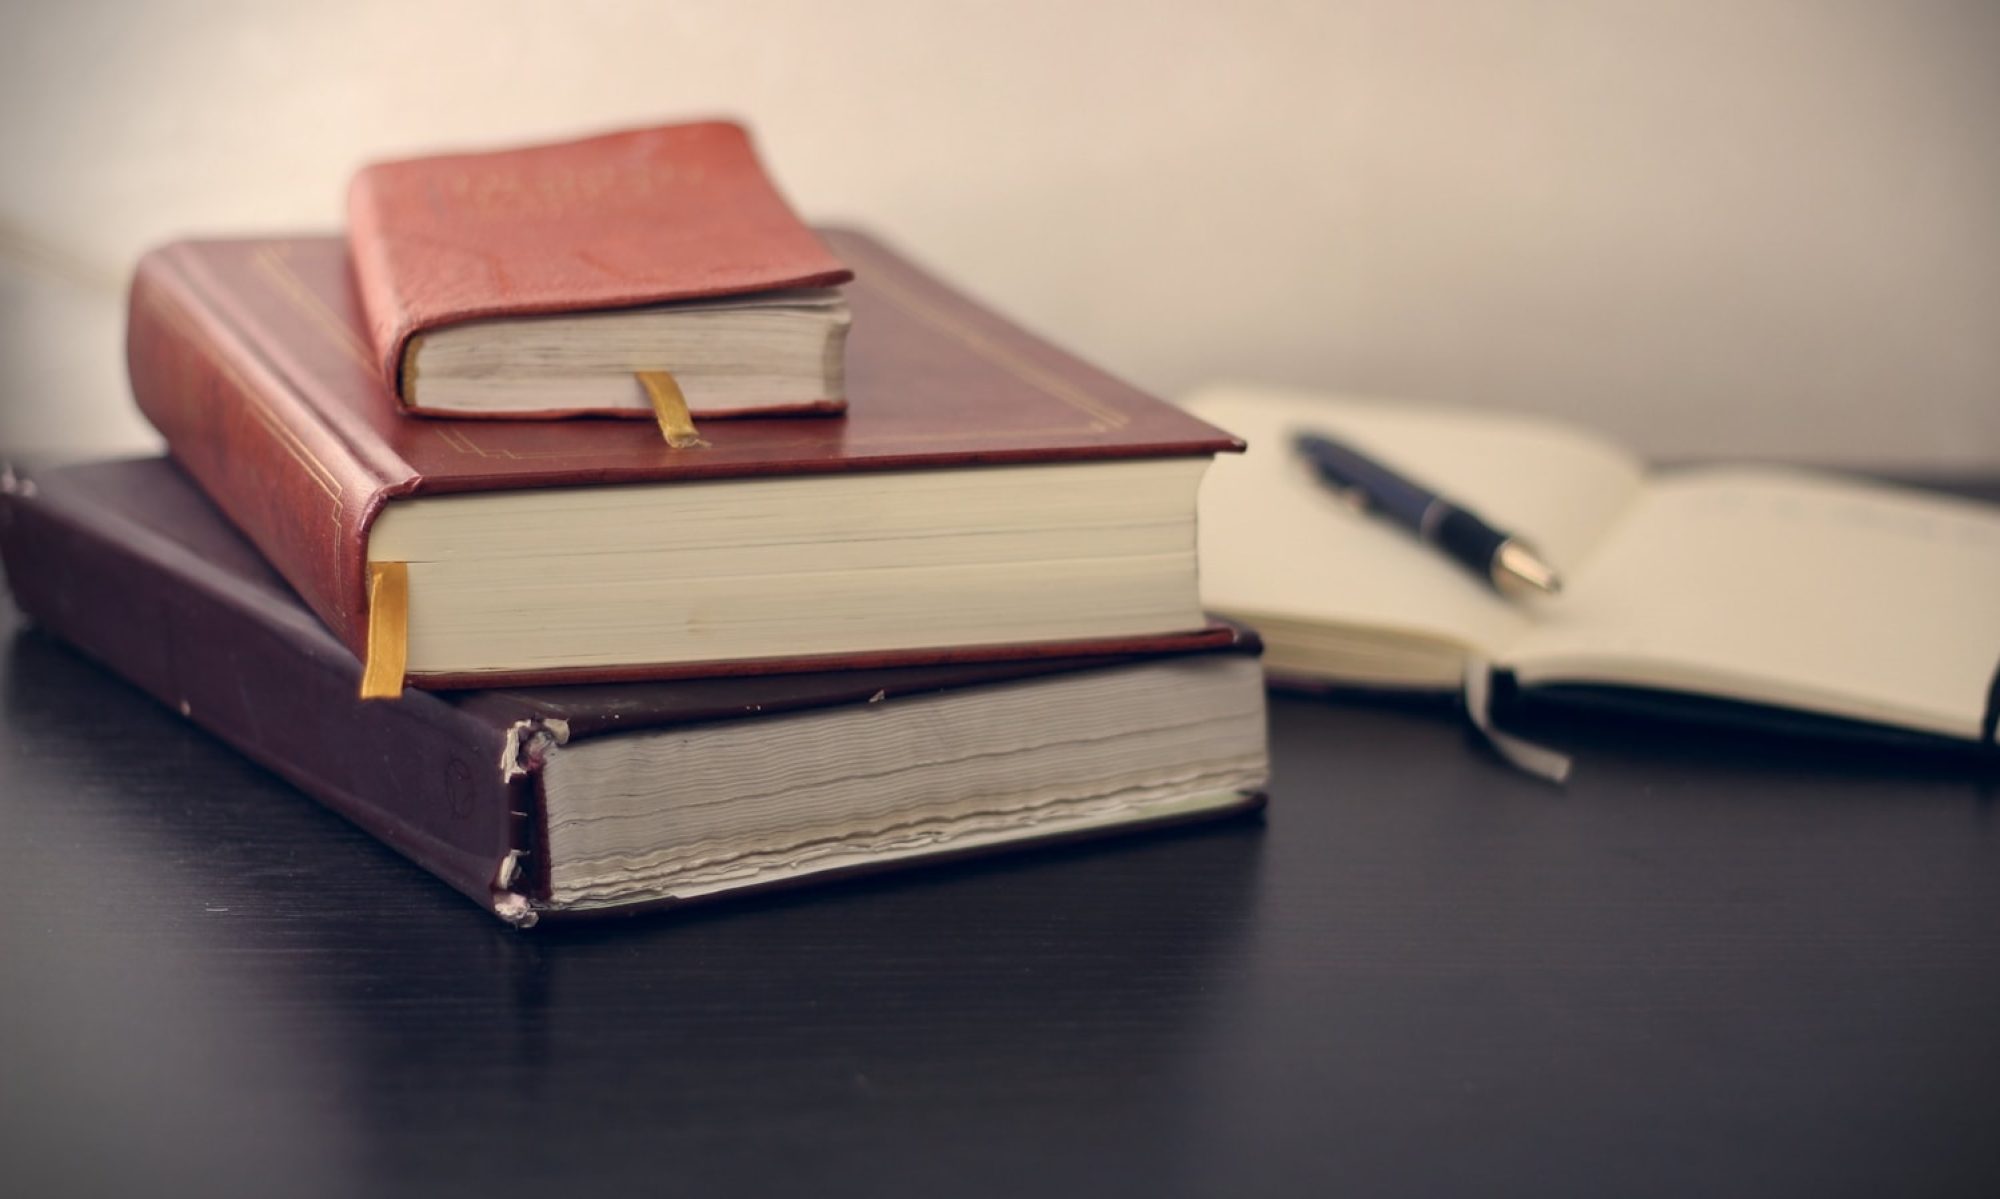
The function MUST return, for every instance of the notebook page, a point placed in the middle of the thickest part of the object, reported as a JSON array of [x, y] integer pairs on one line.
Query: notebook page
[[1792, 588], [1275, 543]]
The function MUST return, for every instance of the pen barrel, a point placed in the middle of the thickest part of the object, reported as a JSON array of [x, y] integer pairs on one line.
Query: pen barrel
[[1467, 538], [1369, 482], [1462, 536]]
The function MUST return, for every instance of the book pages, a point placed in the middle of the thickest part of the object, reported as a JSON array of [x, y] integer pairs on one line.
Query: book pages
[[1276, 543], [1791, 588]]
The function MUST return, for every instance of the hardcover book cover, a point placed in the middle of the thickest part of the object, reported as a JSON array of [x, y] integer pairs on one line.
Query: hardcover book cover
[[252, 357], [648, 216], [131, 564]]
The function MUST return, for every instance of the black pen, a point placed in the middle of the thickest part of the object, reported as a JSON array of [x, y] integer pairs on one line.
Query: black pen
[[1502, 559]]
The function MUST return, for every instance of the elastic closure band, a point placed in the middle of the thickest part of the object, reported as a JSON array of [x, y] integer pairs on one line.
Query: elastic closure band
[[1538, 760], [1989, 722]]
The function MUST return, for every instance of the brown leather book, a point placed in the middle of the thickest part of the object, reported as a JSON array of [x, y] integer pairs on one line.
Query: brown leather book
[[580, 800], [987, 495], [672, 242]]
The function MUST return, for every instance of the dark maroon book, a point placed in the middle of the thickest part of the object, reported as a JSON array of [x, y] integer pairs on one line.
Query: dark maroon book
[[555, 801]]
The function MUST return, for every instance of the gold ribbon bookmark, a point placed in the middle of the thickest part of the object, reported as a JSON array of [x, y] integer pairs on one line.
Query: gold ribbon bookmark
[[388, 630], [670, 408]]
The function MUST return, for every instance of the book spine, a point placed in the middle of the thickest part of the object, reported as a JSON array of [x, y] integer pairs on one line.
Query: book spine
[[243, 662], [259, 450], [389, 325]]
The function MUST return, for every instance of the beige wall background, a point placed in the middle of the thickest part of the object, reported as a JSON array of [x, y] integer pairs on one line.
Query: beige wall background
[[1760, 227]]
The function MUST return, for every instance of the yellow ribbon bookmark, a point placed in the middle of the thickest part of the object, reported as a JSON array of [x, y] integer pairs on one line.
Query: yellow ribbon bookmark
[[670, 407], [388, 630]]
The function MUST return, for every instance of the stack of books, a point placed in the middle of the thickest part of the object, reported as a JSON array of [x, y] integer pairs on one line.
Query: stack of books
[[876, 578]]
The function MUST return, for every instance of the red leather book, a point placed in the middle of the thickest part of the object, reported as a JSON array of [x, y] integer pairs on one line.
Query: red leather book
[[253, 359], [619, 221], [129, 563]]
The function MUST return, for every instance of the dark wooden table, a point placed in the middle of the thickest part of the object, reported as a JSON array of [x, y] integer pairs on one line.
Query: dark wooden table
[[1710, 967]]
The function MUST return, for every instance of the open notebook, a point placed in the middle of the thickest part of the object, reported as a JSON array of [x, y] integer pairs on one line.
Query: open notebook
[[1766, 585]]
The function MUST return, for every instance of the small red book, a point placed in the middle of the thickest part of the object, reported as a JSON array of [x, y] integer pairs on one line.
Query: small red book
[[537, 281], [987, 497]]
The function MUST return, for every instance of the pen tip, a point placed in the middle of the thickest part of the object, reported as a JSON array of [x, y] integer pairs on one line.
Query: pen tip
[[1515, 565]]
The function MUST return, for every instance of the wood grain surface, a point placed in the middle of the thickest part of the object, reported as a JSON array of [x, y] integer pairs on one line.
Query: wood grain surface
[[1709, 966]]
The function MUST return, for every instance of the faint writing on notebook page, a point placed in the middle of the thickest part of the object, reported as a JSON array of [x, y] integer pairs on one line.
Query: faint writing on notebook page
[[1808, 499]]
